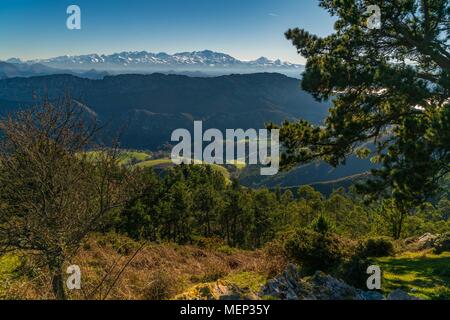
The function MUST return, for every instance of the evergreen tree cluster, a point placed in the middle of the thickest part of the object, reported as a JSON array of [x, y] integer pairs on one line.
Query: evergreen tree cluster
[[191, 202]]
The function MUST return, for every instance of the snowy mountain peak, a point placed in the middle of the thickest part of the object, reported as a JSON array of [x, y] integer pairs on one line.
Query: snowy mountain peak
[[14, 60], [144, 59]]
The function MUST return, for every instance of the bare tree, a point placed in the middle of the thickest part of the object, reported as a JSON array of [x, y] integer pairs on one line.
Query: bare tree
[[53, 192]]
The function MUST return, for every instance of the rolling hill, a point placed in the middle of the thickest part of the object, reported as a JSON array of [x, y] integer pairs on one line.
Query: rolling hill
[[145, 109], [12, 70]]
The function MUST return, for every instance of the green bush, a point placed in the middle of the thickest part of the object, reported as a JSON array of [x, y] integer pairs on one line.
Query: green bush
[[226, 250], [322, 225], [354, 271], [314, 251], [442, 243], [120, 243], [207, 243], [275, 257], [163, 286], [376, 247]]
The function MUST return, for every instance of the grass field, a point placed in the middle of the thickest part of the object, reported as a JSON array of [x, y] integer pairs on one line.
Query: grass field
[[154, 163], [422, 274], [128, 156]]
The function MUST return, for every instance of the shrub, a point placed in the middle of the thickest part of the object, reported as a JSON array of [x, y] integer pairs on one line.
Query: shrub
[[120, 243], [354, 271], [213, 271], [212, 275], [442, 243], [226, 250], [314, 251], [163, 286], [207, 242], [322, 225], [376, 247], [275, 257]]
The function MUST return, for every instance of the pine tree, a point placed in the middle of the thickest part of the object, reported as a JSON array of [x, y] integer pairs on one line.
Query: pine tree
[[389, 86]]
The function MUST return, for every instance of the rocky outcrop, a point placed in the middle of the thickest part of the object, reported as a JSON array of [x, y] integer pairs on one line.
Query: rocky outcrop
[[439, 242], [291, 286], [288, 286], [427, 240]]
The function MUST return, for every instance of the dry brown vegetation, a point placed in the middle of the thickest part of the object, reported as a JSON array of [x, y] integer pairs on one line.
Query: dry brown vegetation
[[157, 271]]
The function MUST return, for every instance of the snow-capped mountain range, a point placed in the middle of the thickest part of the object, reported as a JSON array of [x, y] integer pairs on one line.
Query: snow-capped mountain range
[[143, 59]]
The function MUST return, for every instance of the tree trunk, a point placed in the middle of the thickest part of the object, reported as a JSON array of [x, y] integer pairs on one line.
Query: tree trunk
[[56, 268], [398, 223], [58, 286], [208, 224]]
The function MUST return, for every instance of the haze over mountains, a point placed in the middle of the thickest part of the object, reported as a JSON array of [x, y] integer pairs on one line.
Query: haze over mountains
[[207, 62], [11, 70]]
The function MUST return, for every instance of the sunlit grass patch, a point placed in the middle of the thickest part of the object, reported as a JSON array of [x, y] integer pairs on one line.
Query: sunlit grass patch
[[251, 281], [154, 163], [421, 274], [127, 157], [8, 265]]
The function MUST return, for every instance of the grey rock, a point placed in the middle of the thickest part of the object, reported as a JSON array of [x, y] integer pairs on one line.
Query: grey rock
[[291, 286], [369, 295], [400, 295], [427, 240]]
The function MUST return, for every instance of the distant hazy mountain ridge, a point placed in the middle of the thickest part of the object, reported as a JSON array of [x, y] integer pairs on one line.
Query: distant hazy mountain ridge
[[13, 69]]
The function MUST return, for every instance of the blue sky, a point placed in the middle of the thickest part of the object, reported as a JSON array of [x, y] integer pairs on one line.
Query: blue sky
[[246, 29]]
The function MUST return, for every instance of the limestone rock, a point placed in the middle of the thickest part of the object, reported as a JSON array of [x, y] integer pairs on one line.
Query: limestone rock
[[427, 240], [400, 295], [291, 286], [369, 295]]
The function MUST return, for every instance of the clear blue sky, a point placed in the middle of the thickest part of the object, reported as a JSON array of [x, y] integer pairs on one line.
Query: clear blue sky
[[246, 29]]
